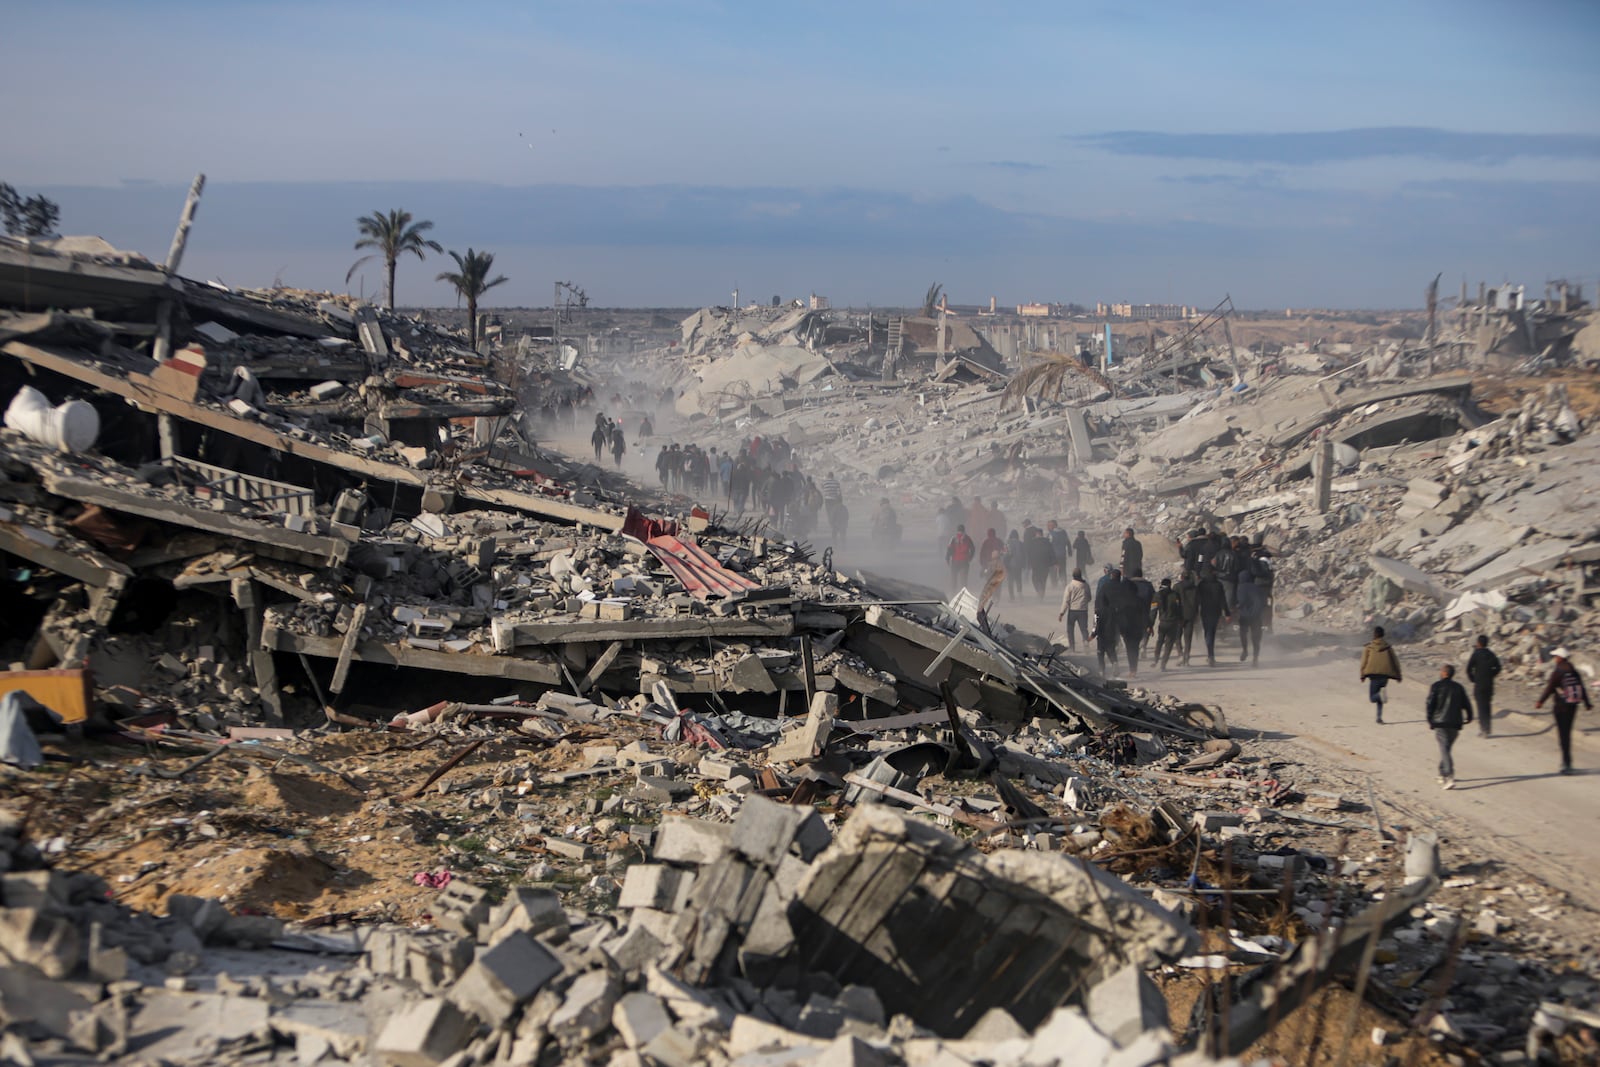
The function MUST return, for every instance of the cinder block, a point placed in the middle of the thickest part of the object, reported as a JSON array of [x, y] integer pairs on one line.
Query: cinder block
[[655, 885], [681, 839], [326, 390], [587, 1008], [639, 1018], [424, 1034], [462, 908], [531, 911], [635, 948], [1127, 1004], [765, 829], [503, 977]]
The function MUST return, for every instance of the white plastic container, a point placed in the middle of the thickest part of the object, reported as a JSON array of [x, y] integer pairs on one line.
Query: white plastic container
[[71, 427]]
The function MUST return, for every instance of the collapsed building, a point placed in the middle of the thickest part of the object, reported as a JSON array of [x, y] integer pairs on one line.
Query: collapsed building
[[727, 803]]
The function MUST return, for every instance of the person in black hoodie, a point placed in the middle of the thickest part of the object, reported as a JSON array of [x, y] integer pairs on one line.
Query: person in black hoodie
[[1483, 667], [1138, 599], [1212, 603], [1448, 711], [1107, 617]]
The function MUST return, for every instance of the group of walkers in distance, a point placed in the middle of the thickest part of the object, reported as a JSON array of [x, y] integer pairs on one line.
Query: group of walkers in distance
[[1223, 579], [1448, 708], [607, 437], [762, 474]]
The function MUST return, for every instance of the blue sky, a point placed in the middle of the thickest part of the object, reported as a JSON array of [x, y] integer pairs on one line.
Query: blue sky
[[664, 152]]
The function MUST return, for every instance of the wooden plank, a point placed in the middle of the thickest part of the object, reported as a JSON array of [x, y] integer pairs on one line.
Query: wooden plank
[[470, 663], [684, 628], [600, 665], [347, 648]]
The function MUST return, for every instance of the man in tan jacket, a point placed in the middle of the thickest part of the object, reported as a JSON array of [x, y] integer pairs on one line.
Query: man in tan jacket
[[1378, 665]]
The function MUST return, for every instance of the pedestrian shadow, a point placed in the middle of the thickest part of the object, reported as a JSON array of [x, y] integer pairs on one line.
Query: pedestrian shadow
[[1530, 733], [1503, 779]]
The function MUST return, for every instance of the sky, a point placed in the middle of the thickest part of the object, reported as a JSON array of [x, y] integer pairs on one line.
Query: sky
[[659, 153]]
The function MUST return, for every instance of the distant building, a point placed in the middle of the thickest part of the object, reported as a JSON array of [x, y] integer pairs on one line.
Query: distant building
[[1145, 312], [1034, 311], [819, 303]]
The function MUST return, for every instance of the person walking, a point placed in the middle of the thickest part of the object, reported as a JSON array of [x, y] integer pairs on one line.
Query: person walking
[[1189, 594], [1448, 711], [1567, 688], [1080, 552], [1039, 555], [958, 553], [1226, 561], [618, 445], [1251, 611], [1138, 597], [1075, 609], [1132, 552], [991, 552], [1378, 665], [1107, 617], [1169, 621], [1211, 602], [1014, 565], [600, 437], [1483, 667], [1058, 550]]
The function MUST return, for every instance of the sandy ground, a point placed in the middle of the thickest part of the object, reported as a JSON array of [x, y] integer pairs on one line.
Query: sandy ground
[[1510, 804]]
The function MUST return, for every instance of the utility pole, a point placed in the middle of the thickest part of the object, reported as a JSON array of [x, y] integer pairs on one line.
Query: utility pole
[[166, 429]]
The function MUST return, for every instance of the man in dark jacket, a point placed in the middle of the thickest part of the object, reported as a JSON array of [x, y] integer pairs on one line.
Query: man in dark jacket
[[1212, 603], [1251, 610], [1483, 667], [1169, 621], [1189, 594], [1448, 711], [1566, 686], [1080, 551], [1132, 552], [1226, 561], [1041, 557], [1197, 550], [1107, 617], [1138, 596]]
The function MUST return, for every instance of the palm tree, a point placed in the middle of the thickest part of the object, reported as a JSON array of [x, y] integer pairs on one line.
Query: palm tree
[[1053, 375], [391, 235], [469, 279], [931, 299]]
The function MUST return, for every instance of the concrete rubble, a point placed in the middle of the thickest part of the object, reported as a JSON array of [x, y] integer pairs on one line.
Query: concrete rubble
[[369, 731]]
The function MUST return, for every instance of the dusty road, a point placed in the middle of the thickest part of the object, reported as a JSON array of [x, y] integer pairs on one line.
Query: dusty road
[[1509, 803]]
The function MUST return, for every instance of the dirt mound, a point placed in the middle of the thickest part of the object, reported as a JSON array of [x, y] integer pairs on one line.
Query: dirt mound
[[302, 793]]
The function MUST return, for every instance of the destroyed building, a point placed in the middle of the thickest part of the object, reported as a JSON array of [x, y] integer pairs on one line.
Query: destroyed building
[[313, 622]]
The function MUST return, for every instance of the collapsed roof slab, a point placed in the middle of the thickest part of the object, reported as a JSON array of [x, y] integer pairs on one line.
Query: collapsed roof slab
[[264, 537], [518, 668], [81, 369]]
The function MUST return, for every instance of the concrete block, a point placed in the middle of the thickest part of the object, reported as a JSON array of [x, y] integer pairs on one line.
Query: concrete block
[[765, 830], [503, 977], [531, 911], [1212, 821], [1422, 856], [587, 1008], [673, 1048], [423, 1034], [1127, 1004], [326, 390], [462, 908], [1068, 1028], [640, 1018], [572, 850], [636, 948], [812, 735], [718, 769], [681, 839], [995, 1025], [49, 942], [655, 885]]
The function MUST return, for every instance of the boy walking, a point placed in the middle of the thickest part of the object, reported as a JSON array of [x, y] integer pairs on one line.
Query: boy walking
[[1378, 665]]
